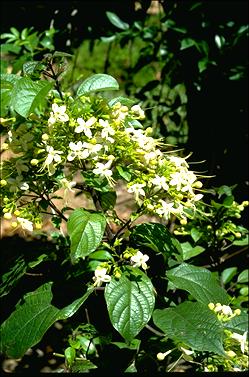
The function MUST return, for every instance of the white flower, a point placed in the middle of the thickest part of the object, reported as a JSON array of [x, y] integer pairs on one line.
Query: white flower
[[25, 224], [92, 148], [242, 339], [104, 170], [139, 260], [137, 189], [178, 161], [67, 185], [136, 109], [53, 156], [77, 151], [160, 182], [107, 130], [101, 276], [166, 209], [58, 113], [85, 126], [197, 197]]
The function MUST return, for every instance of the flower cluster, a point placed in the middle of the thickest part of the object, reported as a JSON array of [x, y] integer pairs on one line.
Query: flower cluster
[[106, 144], [224, 312]]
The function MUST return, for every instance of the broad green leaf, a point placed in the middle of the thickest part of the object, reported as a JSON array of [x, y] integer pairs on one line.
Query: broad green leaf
[[30, 67], [130, 302], [237, 324], [27, 95], [28, 323], [101, 255], [86, 230], [243, 277], [10, 78], [156, 237], [116, 21], [192, 323], [228, 274], [188, 251], [97, 82], [123, 100], [199, 282]]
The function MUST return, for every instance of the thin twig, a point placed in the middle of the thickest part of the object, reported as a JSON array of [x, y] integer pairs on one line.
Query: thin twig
[[148, 327]]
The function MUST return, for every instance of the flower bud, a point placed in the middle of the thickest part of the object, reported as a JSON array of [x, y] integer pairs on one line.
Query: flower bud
[[237, 311], [5, 146], [34, 162], [3, 182], [7, 216], [45, 137], [17, 212], [14, 224], [230, 353]]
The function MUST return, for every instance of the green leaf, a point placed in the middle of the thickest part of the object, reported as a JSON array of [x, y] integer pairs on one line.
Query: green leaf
[[243, 276], [156, 237], [195, 234], [192, 323], [130, 302], [188, 251], [238, 324], [27, 95], [186, 43], [199, 282], [29, 68], [28, 323], [108, 199], [82, 366], [242, 242], [86, 230], [70, 354], [101, 255], [124, 173], [97, 82], [11, 277], [228, 274], [228, 201], [116, 21], [123, 100]]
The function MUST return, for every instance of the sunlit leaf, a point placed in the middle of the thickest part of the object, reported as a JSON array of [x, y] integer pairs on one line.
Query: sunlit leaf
[[199, 282], [130, 302], [28, 323], [192, 323], [97, 82], [86, 230]]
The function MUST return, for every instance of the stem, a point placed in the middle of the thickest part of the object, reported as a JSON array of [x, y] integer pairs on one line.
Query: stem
[[55, 77], [120, 230], [148, 327], [56, 209]]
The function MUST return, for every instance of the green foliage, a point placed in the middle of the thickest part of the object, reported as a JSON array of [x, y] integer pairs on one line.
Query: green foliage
[[86, 231], [193, 324], [29, 322], [98, 82], [199, 282], [71, 135], [130, 302]]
